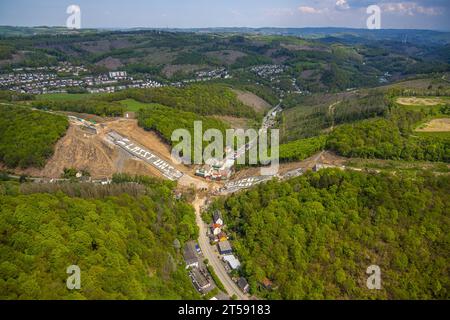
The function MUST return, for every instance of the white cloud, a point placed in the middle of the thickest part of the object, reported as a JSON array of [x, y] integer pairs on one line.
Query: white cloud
[[409, 8], [342, 4], [430, 11], [309, 10]]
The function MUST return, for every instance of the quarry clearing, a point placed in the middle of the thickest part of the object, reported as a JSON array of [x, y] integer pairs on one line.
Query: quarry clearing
[[92, 152], [414, 101], [435, 125]]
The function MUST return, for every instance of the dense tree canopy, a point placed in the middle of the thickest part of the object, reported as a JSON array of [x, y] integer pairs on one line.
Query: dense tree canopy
[[27, 137], [390, 138], [301, 149], [91, 106], [314, 236], [201, 99], [165, 121], [122, 244]]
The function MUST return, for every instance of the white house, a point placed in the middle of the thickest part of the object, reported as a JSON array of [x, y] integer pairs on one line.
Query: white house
[[217, 218]]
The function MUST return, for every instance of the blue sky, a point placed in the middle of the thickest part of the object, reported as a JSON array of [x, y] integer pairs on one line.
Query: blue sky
[[418, 14]]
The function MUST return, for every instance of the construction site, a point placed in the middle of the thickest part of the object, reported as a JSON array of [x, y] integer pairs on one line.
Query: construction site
[[140, 152]]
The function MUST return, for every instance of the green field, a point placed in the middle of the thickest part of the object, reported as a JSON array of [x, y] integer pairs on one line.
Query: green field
[[133, 105]]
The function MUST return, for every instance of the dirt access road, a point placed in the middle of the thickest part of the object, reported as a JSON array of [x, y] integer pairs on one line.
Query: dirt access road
[[213, 258]]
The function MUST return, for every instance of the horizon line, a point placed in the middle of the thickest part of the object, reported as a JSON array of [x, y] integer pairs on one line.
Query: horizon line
[[223, 27]]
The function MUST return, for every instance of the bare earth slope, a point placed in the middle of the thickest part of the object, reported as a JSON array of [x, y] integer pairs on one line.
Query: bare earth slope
[[252, 100]]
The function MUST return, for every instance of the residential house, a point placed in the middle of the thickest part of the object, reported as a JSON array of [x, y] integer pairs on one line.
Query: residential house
[[190, 256], [222, 237], [225, 248], [243, 285], [216, 229], [217, 218], [232, 262], [199, 279]]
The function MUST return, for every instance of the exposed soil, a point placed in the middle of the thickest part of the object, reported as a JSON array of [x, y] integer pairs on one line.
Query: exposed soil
[[436, 125], [252, 100], [413, 101], [325, 157], [83, 151], [79, 150]]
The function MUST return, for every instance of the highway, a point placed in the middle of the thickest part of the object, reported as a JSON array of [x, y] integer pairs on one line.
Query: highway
[[213, 258]]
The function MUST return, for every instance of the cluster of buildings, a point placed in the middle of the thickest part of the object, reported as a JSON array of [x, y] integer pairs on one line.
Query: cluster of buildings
[[216, 169], [62, 67], [28, 82], [134, 84], [197, 271], [44, 80], [213, 74], [204, 76], [225, 249], [268, 70], [58, 79], [216, 234], [118, 75], [385, 78]]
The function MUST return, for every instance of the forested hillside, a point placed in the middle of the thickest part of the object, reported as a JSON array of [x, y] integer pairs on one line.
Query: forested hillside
[[308, 116], [301, 149], [165, 121], [390, 138], [200, 99], [91, 106], [126, 247], [27, 137], [314, 236]]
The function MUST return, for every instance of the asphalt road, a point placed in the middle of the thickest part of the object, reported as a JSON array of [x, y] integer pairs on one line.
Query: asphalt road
[[213, 258]]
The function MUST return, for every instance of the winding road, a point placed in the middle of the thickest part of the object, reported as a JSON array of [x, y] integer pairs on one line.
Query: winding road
[[213, 258]]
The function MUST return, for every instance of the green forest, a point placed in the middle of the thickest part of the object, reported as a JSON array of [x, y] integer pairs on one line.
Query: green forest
[[27, 137], [127, 247], [165, 121], [389, 138], [301, 149], [202, 99], [91, 106], [314, 236], [308, 116]]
